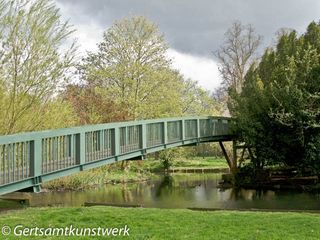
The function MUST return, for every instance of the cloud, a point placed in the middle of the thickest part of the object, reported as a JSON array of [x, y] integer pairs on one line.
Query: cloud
[[202, 69], [197, 27], [193, 29], [87, 33]]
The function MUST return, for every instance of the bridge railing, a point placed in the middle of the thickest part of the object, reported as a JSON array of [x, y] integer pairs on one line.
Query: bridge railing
[[27, 159]]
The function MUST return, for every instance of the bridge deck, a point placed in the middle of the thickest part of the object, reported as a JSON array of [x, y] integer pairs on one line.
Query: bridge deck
[[27, 159]]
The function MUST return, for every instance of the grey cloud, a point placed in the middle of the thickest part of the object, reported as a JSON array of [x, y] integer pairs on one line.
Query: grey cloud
[[197, 27]]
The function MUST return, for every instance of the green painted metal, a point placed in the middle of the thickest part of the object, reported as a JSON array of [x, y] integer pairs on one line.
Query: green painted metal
[[28, 159]]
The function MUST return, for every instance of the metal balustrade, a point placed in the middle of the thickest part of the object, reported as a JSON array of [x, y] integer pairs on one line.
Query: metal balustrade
[[155, 134], [28, 159], [14, 162], [174, 131], [190, 128], [57, 153]]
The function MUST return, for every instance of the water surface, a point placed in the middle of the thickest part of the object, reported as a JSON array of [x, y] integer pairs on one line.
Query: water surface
[[181, 191]]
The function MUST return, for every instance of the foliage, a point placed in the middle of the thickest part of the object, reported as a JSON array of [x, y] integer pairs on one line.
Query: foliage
[[166, 157], [249, 176], [98, 177], [197, 101], [278, 109], [132, 69], [58, 114], [32, 65], [91, 106], [131, 77]]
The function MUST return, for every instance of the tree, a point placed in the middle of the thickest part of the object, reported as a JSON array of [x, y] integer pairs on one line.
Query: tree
[[197, 101], [166, 157], [236, 55], [91, 106], [278, 109], [32, 65], [132, 69]]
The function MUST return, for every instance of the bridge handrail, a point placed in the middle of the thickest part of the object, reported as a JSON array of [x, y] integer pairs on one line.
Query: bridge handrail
[[27, 159], [29, 136]]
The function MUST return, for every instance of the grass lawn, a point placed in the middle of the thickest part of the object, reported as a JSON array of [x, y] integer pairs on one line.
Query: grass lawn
[[199, 162], [170, 224]]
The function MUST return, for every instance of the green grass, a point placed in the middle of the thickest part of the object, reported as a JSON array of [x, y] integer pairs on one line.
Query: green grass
[[199, 162], [172, 224], [135, 171], [98, 176]]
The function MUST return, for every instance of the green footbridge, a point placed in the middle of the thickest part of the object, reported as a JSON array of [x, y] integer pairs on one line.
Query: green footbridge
[[28, 159]]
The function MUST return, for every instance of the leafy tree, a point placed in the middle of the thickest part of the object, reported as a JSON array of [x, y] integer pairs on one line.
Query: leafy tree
[[278, 109], [132, 69], [91, 106], [197, 101], [166, 157], [32, 65], [58, 114]]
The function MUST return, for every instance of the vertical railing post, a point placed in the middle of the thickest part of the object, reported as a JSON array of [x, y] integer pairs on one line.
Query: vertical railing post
[[101, 143], [165, 132], [225, 127], [143, 136], [35, 157], [183, 133], [36, 163], [71, 146], [198, 128], [116, 142], [213, 127], [81, 148], [219, 126], [127, 139], [228, 127]]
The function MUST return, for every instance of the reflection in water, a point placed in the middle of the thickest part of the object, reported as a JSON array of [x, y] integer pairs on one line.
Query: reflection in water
[[166, 185], [243, 194], [181, 191]]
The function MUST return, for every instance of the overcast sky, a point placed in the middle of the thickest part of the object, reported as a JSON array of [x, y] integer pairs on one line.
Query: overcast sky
[[194, 29]]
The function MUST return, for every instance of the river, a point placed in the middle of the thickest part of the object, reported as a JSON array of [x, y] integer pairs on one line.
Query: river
[[181, 191]]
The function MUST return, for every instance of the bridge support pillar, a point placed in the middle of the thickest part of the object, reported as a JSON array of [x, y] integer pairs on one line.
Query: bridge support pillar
[[232, 161], [234, 157]]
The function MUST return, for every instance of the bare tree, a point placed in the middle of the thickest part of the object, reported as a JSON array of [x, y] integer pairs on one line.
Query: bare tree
[[32, 65], [236, 55]]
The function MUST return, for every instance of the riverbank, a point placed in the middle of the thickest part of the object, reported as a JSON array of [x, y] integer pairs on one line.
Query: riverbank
[[171, 223], [272, 178], [133, 171]]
